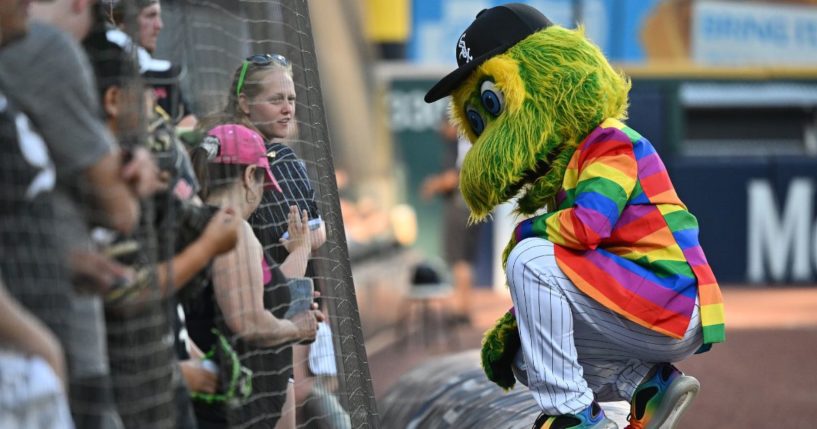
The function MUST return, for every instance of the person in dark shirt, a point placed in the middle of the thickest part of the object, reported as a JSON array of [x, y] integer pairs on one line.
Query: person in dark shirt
[[48, 76], [29, 265], [148, 386]]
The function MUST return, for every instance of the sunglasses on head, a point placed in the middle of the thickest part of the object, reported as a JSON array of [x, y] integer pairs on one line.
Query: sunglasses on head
[[258, 60]]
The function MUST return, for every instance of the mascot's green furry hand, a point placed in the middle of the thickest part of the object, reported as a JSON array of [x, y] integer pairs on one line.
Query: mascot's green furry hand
[[499, 346]]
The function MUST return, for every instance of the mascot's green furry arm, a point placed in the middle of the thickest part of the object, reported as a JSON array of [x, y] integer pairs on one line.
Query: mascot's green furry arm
[[526, 110], [499, 346]]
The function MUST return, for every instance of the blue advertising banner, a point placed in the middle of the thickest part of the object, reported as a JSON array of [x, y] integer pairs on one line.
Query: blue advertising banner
[[614, 25], [754, 33], [756, 215], [640, 31]]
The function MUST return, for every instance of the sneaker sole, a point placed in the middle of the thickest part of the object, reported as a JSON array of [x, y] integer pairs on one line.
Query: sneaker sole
[[679, 395]]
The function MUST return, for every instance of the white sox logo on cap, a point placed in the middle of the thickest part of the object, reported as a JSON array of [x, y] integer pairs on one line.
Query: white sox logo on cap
[[465, 52], [492, 33]]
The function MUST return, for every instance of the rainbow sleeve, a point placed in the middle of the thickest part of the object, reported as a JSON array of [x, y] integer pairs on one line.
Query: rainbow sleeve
[[605, 173]]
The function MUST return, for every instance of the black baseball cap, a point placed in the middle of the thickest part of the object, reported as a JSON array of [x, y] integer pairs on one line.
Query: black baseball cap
[[493, 31]]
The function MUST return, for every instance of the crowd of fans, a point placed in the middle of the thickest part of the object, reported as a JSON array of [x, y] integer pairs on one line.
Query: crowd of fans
[[147, 280]]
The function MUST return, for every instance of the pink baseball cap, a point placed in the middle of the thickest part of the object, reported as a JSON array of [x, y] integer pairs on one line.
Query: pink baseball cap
[[241, 145]]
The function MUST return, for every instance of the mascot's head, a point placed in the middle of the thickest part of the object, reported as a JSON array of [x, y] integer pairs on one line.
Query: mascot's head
[[525, 93]]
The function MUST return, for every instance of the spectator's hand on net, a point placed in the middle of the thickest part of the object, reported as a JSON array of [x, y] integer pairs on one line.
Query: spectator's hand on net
[[315, 307], [221, 233], [141, 173], [298, 230], [198, 378], [307, 324], [319, 316], [318, 236], [94, 272]]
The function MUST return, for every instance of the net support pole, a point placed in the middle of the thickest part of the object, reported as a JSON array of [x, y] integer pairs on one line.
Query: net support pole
[[356, 392]]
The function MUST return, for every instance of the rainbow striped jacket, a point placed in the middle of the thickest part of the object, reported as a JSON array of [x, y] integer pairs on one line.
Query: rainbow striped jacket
[[624, 237]]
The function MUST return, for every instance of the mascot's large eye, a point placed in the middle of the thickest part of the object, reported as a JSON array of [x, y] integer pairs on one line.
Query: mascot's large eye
[[475, 120], [492, 98]]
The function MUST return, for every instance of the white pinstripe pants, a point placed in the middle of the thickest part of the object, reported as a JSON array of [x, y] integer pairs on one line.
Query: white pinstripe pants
[[573, 347]]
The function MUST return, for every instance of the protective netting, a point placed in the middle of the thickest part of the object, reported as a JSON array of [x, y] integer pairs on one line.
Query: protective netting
[[213, 39], [243, 315]]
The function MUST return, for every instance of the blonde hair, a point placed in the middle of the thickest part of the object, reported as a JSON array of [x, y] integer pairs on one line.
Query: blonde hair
[[253, 85]]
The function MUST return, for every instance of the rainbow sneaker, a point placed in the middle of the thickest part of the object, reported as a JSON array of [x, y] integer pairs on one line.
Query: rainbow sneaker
[[661, 398], [591, 418]]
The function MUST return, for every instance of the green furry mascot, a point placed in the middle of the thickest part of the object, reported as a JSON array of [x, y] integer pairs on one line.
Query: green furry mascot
[[543, 109], [497, 168], [527, 147]]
